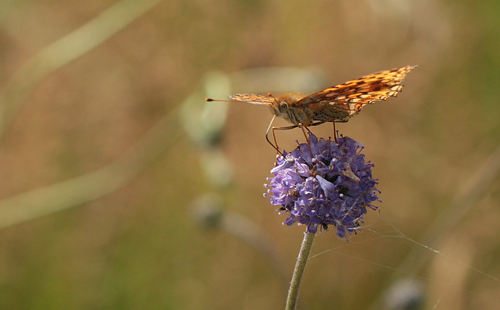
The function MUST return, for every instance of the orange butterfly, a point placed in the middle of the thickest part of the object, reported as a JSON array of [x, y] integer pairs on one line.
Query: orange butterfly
[[334, 104]]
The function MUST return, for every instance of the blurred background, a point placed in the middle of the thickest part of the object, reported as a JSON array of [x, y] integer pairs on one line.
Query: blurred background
[[121, 188]]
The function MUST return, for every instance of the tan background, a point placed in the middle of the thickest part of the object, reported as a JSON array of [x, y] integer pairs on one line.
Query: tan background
[[108, 96]]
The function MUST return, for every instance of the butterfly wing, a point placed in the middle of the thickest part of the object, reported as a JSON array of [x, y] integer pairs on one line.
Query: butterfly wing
[[343, 101], [253, 99]]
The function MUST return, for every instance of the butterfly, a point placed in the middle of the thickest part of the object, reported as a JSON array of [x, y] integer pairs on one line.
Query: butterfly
[[334, 104]]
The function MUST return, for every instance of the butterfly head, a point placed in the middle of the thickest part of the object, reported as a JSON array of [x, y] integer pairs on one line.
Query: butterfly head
[[286, 107]]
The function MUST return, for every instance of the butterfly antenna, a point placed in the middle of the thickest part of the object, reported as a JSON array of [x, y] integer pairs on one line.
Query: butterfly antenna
[[220, 100]]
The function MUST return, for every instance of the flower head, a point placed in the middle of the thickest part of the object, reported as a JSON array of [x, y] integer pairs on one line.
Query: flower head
[[324, 183]]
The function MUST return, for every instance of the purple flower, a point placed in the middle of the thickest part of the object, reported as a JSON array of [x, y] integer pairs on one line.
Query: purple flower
[[324, 183]]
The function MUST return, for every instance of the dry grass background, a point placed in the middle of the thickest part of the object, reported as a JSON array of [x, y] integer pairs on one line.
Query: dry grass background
[[98, 175]]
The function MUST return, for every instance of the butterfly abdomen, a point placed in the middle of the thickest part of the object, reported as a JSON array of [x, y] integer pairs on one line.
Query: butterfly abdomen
[[331, 113]]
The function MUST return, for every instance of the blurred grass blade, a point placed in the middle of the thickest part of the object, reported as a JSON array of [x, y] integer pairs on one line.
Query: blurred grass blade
[[93, 185], [65, 50]]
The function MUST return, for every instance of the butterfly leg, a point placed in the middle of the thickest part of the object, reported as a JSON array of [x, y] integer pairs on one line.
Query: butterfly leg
[[334, 130], [334, 133], [272, 129], [304, 128], [308, 130], [275, 145]]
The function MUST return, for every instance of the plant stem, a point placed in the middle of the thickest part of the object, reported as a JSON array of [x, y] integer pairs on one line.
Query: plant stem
[[300, 265]]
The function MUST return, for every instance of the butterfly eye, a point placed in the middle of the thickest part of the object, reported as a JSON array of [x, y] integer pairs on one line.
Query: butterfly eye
[[283, 106]]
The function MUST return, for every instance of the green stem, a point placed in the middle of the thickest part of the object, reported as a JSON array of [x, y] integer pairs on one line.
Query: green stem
[[300, 265]]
